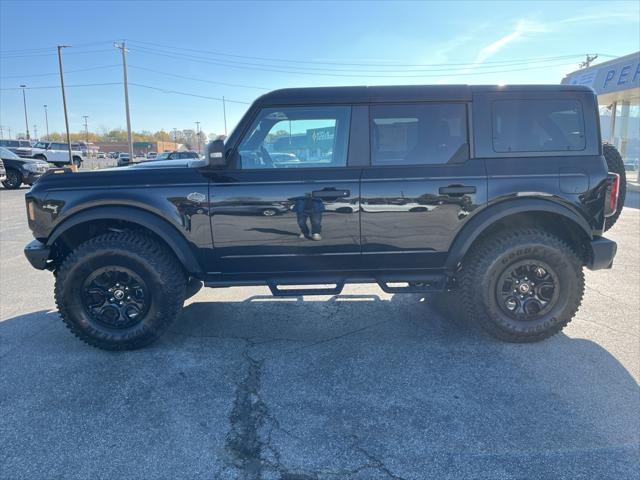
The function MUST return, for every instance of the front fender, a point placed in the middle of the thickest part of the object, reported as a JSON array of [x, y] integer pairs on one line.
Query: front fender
[[152, 222]]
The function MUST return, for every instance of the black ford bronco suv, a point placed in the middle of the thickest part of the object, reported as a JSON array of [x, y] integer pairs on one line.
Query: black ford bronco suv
[[502, 193]]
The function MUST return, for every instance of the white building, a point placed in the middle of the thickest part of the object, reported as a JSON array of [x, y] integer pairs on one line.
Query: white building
[[617, 84]]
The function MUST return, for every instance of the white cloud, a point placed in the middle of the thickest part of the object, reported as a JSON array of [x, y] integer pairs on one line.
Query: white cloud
[[522, 28]]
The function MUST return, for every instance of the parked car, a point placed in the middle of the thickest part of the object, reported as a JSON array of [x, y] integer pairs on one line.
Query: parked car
[[151, 155], [3, 172], [123, 159], [20, 170], [506, 206], [101, 155], [177, 155], [22, 148], [56, 153]]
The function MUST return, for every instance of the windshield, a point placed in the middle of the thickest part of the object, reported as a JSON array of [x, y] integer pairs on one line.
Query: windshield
[[163, 156], [8, 154]]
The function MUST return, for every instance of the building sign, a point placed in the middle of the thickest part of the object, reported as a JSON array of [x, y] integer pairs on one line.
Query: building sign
[[620, 74]]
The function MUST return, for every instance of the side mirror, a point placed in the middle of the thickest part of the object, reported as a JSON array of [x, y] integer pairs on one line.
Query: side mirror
[[216, 154]]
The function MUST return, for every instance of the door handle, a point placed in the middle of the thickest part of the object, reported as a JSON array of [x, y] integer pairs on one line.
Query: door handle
[[457, 190], [331, 193]]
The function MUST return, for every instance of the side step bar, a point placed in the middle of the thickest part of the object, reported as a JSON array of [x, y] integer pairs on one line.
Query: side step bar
[[389, 283]]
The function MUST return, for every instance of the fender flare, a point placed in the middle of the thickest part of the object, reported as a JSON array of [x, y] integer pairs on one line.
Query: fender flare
[[484, 219], [151, 221]]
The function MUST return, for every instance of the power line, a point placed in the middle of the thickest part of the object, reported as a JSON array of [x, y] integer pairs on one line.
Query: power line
[[380, 64], [356, 75], [100, 67], [313, 70], [197, 79], [67, 86], [149, 87], [4, 57], [163, 90], [79, 45]]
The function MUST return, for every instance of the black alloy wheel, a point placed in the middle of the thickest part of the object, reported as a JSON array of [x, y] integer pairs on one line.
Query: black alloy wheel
[[116, 297], [527, 290]]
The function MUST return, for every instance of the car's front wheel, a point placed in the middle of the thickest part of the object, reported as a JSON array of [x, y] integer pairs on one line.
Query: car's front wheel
[[13, 180], [522, 285], [120, 291]]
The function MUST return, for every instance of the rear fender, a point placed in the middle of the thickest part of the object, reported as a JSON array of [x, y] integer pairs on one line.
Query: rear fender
[[488, 217]]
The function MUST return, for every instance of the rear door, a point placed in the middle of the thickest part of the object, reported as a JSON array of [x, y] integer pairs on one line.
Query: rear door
[[58, 152], [290, 200], [422, 185]]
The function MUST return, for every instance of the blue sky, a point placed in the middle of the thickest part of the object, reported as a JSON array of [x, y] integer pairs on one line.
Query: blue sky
[[268, 45]]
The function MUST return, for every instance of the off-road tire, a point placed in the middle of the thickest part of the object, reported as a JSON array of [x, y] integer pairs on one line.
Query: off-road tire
[[77, 161], [485, 263], [151, 261], [13, 180], [615, 164]]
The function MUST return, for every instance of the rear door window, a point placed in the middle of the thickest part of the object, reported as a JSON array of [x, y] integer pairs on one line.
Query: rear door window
[[537, 126], [418, 134]]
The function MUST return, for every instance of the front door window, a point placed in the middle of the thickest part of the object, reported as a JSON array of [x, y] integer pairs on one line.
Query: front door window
[[296, 137]]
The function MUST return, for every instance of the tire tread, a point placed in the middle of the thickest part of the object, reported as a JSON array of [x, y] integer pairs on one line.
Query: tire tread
[[156, 256], [476, 264]]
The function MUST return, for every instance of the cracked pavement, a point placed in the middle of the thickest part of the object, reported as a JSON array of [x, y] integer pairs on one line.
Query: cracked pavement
[[360, 386]]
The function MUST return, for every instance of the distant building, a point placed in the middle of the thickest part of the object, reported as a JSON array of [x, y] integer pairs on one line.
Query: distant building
[[617, 84]]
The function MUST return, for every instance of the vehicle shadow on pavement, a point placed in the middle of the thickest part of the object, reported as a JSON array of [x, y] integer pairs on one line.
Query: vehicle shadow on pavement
[[349, 386], [406, 385]]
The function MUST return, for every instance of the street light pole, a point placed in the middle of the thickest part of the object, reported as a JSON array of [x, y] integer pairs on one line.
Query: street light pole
[[224, 113], [64, 102], [198, 135], [46, 120], [123, 49], [35, 132], [86, 132], [24, 101]]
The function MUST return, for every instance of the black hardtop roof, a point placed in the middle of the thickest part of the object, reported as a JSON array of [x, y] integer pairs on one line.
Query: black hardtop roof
[[397, 93]]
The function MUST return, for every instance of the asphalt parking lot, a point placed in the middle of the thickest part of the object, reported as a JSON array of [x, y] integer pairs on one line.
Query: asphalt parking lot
[[362, 386]]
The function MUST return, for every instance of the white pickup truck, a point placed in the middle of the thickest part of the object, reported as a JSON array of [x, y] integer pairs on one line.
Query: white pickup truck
[[56, 153]]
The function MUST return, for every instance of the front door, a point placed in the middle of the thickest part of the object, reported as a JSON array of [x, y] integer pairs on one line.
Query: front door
[[290, 200], [421, 186]]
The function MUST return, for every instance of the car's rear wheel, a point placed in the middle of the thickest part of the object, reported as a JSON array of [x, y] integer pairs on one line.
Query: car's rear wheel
[[120, 291], [13, 180], [615, 164], [523, 285]]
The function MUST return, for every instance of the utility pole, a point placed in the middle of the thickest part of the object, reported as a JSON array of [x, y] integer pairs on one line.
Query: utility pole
[[224, 113], [24, 101], [64, 102], [122, 48], [198, 135], [86, 132], [588, 60], [86, 129], [175, 137], [9, 128], [46, 120], [1, 133]]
